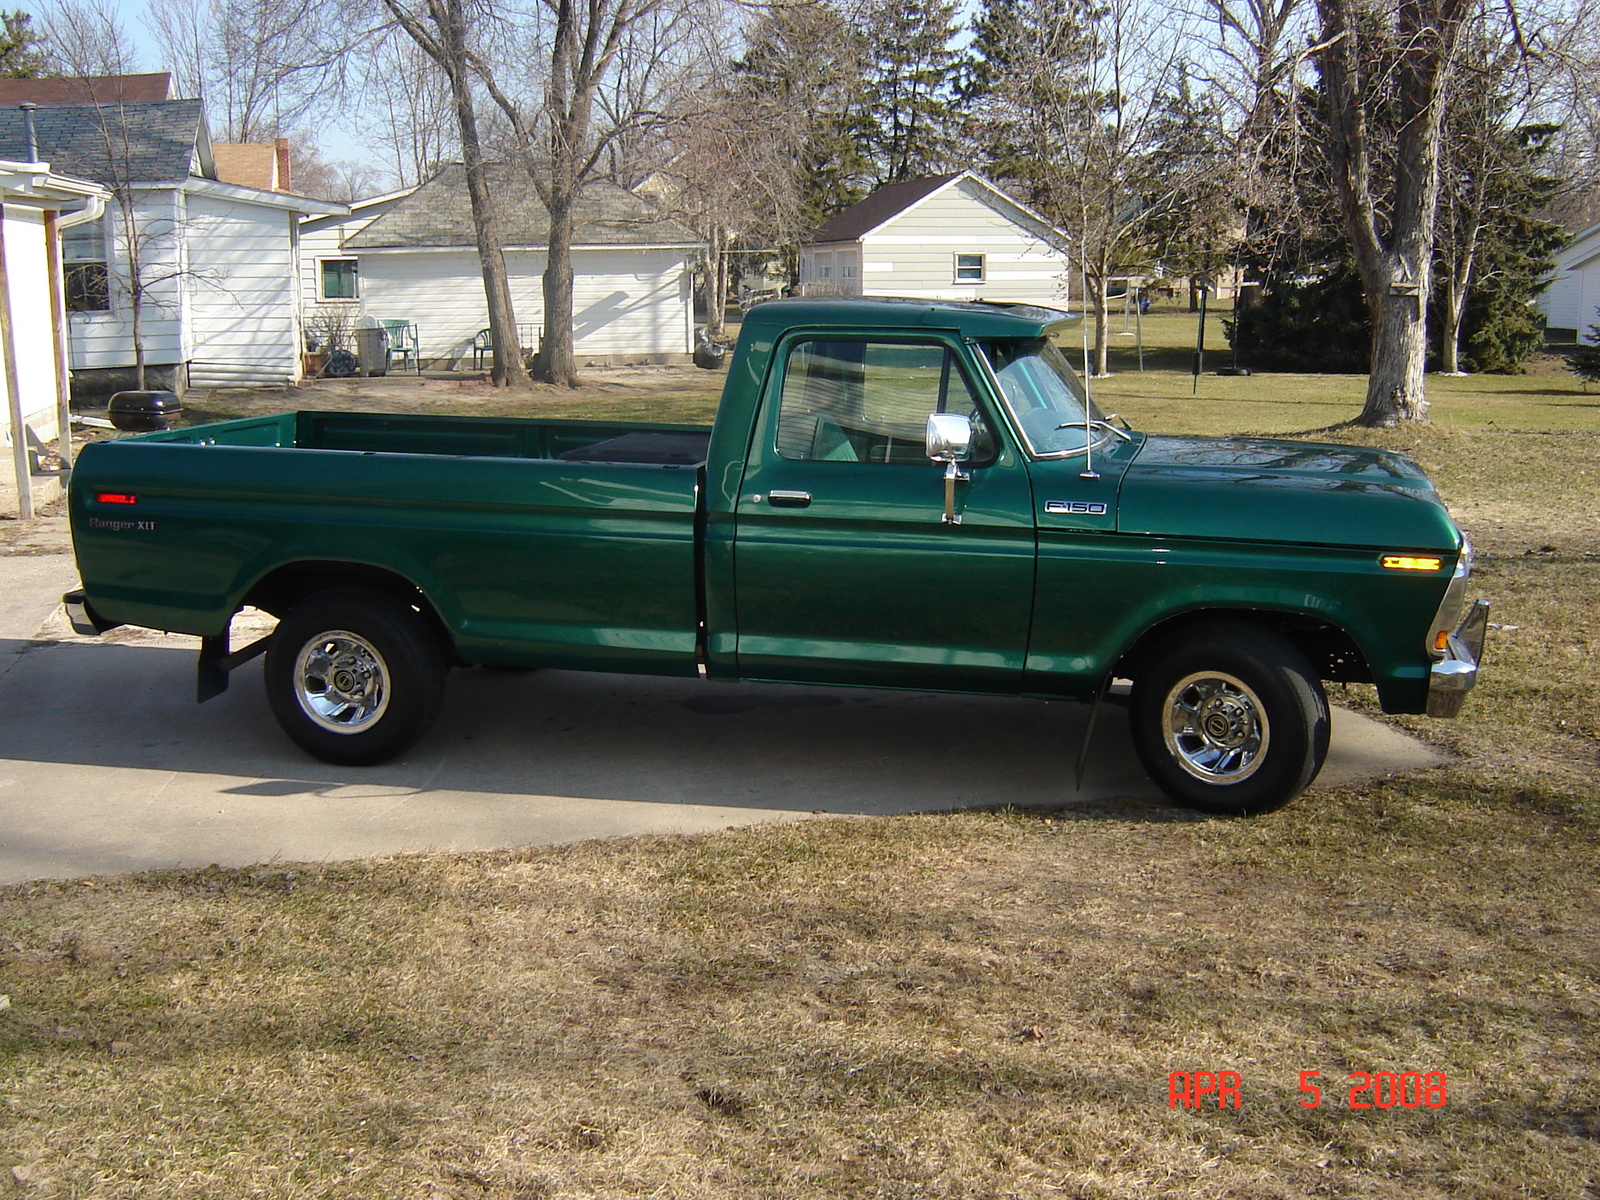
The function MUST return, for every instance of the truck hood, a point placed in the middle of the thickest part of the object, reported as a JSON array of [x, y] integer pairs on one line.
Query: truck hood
[[1255, 489]]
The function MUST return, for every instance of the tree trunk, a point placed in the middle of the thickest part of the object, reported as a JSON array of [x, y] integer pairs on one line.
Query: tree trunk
[[1395, 389], [1395, 265], [1452, 302], [135, 287], [1102, 316], [509, 370], [138, 340], [557, 363], [716, 291]]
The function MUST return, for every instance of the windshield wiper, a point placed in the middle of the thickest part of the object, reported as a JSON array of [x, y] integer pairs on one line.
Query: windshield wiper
[[1106, 425]]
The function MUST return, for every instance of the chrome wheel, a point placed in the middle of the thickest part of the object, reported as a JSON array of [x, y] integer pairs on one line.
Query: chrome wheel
[[341, 681], [1216, 727]]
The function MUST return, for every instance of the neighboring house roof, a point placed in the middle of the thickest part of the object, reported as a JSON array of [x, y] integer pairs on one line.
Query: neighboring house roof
[[439, 213], [355, 209], [893, 199], [91, 89], [262, 165], [1582, 249], [143, 142], [890, 200]]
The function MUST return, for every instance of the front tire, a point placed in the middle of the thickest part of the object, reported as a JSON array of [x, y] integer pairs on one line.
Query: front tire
[[354, 676], [1229, 719]]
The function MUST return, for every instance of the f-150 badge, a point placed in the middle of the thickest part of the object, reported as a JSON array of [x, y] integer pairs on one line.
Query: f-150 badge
[[1092, 508]]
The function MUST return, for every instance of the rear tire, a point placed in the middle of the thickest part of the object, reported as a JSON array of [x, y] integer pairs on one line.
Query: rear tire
[[1229, 718], [354, 676]]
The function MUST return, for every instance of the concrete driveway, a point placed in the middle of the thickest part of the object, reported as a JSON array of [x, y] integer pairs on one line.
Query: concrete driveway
[[108, 765]]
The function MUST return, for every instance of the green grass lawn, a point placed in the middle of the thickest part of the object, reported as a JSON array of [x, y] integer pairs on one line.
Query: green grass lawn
[[969, 1005]]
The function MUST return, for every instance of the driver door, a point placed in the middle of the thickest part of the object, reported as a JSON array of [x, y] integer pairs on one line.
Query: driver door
[[845, 571]]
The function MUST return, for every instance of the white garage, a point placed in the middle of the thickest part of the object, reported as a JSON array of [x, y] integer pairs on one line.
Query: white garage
[[412, 256]]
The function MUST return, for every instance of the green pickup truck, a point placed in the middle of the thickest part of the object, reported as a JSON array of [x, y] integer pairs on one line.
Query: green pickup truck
[[895, 494]]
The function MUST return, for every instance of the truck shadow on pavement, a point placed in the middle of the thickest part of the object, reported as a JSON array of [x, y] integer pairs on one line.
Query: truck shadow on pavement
[[107, 763]]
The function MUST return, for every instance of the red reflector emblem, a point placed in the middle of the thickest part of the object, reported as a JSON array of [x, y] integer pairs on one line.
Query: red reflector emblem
[[116, 498]]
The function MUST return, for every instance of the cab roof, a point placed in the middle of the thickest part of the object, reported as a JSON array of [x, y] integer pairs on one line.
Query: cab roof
[[983, 319]]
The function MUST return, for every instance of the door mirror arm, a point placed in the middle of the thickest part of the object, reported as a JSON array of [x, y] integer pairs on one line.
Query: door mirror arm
[[949, 441]]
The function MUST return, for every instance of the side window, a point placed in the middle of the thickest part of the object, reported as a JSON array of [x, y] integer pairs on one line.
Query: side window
[[860, 401], [83, 262], [338, 279]]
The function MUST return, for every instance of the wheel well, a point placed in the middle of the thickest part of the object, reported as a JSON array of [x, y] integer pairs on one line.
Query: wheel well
[[280, 590], [1332, 652]]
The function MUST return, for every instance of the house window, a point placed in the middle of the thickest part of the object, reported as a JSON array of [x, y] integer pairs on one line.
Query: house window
[[969, 268], [338, 279], [83, 264]]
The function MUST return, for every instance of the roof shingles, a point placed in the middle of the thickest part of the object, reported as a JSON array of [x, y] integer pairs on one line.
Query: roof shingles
[[439, 214], [150, 142], [888, 201]]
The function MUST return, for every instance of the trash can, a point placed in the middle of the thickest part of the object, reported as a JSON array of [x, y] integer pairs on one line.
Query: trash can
[[372, 351]]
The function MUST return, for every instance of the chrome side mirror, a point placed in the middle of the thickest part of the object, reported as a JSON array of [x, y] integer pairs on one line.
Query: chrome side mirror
[[950, 442], [949, 437]]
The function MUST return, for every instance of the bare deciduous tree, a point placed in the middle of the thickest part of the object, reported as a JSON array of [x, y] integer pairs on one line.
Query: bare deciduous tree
[[1070, 114], [1386, 66], [261, 66], [87, 37], [406, 108], [732, 180], [615, 69], [314, 174], [444, 30]]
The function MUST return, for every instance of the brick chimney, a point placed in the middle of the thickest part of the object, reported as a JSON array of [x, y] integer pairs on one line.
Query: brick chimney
[[282, 148]]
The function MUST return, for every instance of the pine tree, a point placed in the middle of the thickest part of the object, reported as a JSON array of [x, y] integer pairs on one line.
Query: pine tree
[[807, 61], [21, 53], [910, 86], [1584, 362]]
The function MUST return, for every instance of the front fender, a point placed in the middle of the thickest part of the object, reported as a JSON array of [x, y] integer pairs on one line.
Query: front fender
[[1097, 596]]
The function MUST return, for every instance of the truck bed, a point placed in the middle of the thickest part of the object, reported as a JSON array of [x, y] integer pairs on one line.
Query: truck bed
[[471, 437], [558, 543]]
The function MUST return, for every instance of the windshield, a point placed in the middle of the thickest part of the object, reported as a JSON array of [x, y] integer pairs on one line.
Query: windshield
[[1044, 393]]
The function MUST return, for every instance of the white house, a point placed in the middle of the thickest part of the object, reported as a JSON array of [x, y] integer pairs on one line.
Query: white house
[[947, 237], [218, 263], [36, 207], [412, 256], [1569, 303]]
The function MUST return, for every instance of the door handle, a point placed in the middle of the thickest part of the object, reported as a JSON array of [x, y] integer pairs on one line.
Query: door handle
[[789, 499]]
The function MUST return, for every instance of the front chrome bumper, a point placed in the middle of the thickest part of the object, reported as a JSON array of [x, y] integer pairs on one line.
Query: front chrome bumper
[[1451, 680]]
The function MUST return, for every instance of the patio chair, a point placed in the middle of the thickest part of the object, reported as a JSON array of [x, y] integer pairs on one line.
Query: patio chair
[[482, 344], [403, 345]]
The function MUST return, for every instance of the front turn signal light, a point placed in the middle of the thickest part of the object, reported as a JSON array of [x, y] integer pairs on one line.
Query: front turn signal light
[[1410, 562], [1441, 640]]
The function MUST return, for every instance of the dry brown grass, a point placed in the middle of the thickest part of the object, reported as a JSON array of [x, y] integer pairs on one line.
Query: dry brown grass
[[971, 1005]]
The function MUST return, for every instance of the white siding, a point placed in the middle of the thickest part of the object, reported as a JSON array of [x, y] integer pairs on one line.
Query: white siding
[[242, 294], [625, 302], [1574, 294], [320, 238], [831, 269], [28, 280], [914, 254], [105, 339]]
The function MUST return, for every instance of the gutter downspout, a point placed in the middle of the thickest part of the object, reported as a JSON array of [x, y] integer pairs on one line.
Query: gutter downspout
[[94, 208]]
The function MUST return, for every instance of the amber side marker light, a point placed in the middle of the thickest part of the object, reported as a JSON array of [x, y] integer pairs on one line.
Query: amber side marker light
[[1441, 640], [1407, 562], [116, 498]]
